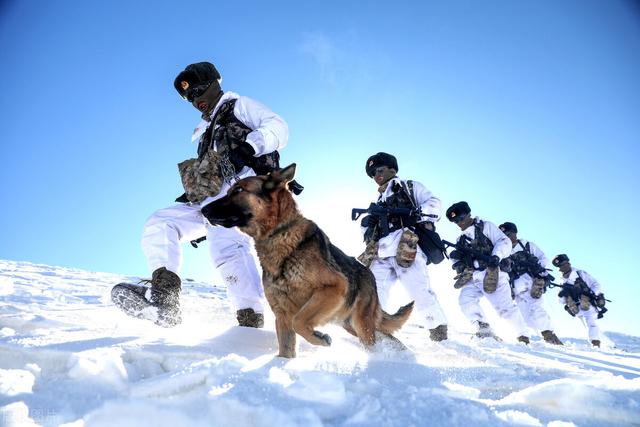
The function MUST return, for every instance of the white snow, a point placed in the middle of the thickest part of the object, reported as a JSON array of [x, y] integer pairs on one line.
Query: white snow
[[69, 357]]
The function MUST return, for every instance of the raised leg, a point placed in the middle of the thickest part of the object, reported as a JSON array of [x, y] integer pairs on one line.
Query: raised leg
[[318, 310]]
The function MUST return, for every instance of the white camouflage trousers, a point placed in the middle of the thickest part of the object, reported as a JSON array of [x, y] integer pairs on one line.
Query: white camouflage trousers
[[167, 229], [415, 280], [532, 309], [501, 301]]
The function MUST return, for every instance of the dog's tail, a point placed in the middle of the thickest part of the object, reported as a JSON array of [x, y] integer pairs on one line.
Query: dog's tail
[[392, 322]]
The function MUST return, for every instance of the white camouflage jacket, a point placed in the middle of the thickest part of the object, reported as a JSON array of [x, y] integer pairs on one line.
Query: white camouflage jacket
[[588, 279], [501, 244], [270, 131]]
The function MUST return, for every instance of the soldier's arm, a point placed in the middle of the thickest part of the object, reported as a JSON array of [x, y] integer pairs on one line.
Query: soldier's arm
[[501, 243], [537, 252], [591, 282], [430, 204], [270, 131]]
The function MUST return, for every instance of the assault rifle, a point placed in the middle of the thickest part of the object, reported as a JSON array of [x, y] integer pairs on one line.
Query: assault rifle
[[575, 292], [530, 266], [467, 252], [382, 213]]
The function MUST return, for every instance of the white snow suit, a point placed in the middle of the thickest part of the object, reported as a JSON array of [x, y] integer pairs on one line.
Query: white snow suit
[[501, 300], [532, 309], [590, 316], [166, 229], [414, 278]]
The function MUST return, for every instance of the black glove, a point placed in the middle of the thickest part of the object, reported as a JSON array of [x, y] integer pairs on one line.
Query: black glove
[[410, 219], [494, 262], [600, 301], [241, 155], [369, 221], [505, 265]]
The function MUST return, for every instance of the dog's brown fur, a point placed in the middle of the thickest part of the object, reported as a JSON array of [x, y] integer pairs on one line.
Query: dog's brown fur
[[307, 281]]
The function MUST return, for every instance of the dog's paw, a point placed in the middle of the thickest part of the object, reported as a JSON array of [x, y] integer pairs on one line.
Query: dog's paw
[[323, 338]]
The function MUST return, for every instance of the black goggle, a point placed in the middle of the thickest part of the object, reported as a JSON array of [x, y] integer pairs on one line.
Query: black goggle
[[458, 219], [194, 92]]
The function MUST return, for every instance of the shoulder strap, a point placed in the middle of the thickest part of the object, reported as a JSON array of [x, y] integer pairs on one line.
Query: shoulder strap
[[409, 191]]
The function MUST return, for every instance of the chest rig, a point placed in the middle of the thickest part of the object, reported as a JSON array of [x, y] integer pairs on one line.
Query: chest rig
[[226, 134], [479, 243], [522, 262], [400, 198]]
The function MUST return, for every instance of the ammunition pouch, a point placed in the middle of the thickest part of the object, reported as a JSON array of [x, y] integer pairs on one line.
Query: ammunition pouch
[[407, 248], [201, 177]]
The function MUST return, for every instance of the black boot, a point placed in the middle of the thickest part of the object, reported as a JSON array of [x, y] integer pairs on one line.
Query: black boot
[[484, 330], [165, 294], [595, 343], [439, 333], [523, 339], [140, 301], [249, 318], [551, 338]]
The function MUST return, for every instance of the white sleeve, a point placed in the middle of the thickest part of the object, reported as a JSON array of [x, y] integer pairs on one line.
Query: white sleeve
[[430, 204], [591, 282], [501, 244], [270, 131], [537, 252]]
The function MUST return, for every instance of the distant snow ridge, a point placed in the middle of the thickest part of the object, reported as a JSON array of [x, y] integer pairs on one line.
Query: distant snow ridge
[[68, 357]]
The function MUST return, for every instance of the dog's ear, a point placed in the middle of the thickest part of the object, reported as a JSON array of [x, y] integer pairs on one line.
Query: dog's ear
[[280, 177]]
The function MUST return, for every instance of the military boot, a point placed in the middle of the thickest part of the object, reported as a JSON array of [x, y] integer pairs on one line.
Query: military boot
[[249, 318], [165, 294], [523, 339], [537, 289], [595, 343], [551, 338], [463, 277], [571, 306], [439, 333], [485, 331], [490, 282]]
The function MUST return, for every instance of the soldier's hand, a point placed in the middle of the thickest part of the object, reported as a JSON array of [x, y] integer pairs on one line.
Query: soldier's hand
[[369, 221], [494, 262], [428, 225], [600, 301]]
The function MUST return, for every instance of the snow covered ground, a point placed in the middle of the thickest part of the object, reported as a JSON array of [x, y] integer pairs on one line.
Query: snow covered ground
[[68, 357]]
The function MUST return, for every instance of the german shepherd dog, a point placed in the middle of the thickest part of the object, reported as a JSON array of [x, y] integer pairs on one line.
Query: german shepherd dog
[[308, 281]]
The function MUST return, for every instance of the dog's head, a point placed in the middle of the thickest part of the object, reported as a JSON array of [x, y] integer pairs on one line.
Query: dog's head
[[255, 204]]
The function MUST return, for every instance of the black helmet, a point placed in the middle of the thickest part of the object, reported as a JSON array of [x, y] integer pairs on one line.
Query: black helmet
[[198, 74], [380, 159]]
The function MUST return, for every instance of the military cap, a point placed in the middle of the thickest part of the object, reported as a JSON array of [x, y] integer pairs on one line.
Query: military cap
[[559, 260], [380, 159], [457, 209], [508, 227]]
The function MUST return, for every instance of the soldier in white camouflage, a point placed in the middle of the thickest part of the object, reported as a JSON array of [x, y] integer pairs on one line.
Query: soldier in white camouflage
[[238, 137], [582, 296], [527, 276], [476, 259], [392, 251]]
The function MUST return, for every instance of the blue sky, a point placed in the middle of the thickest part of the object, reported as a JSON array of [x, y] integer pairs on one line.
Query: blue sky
[[529, 111]]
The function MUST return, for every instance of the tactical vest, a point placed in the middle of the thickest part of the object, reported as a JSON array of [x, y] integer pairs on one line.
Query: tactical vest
[[519, 262], [398, 199], [227, 133], [480, 243]]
